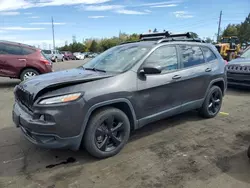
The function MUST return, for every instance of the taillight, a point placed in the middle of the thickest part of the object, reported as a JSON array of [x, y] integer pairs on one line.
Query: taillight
[[45, 61]]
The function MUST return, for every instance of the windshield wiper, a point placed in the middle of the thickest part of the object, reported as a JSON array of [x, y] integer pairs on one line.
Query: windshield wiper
[[94, 69]]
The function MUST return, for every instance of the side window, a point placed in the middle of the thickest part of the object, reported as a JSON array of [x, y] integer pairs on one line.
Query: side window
[[13, 50], [191, 55], [209, 55], [165, 57], [2, 49], [27, 51]]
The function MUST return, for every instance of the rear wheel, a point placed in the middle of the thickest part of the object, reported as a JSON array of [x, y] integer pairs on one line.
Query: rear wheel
[[28, 73], [107, 132], [212, 103]]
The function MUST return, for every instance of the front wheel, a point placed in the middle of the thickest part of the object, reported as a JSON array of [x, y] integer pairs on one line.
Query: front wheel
[[212, 103], [107, 132]]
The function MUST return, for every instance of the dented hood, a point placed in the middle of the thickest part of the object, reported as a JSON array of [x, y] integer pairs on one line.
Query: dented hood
[[60, 78]]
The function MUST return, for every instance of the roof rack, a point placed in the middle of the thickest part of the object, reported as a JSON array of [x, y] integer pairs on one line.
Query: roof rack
[[168, 37], [181, 39]]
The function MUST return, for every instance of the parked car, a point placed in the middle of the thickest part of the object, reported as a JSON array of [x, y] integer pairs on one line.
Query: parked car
[[68, 55], [238, 70], [54, 55], [22, 61], [79, 55], [128, 86]]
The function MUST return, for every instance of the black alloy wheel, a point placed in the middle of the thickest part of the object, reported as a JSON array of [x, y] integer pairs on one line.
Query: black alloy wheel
[[107, 132], [212, 103]]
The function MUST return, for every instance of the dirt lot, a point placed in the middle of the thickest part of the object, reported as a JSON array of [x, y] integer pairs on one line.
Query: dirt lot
[[183, 151]]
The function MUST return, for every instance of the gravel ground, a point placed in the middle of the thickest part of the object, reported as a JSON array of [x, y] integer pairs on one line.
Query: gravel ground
[[183, 151]]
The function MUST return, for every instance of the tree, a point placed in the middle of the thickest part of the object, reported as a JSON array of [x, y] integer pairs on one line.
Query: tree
[[231, 30], [194, 35], [209, 40], [93, 47]]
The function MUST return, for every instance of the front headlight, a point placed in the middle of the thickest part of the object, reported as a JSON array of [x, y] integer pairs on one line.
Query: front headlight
[[61, 99]]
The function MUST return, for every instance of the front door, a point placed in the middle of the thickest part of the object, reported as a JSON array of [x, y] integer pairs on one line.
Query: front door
[[159, 95]]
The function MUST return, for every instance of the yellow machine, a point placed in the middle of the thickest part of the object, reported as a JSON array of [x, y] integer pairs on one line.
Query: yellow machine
[[229, 47]]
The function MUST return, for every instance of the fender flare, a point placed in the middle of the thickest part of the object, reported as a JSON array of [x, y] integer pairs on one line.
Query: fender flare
[[105, 103], [214, 81]]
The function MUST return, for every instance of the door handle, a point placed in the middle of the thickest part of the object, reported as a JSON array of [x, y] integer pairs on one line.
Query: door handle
[[22, 59], [176, 77], [208, 70]]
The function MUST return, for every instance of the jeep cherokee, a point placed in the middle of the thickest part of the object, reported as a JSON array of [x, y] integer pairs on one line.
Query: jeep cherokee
[[128, 86]]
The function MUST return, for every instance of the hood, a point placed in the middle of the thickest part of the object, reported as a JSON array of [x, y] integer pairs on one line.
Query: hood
[[240, 61], [60, 78]]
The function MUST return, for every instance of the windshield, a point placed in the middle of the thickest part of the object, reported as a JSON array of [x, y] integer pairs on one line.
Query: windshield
[[246, 54], [118, 59]]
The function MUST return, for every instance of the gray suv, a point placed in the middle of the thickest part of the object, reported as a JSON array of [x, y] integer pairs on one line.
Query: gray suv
[[128, 86]]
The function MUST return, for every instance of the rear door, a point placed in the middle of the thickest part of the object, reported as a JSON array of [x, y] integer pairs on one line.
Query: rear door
[[196, 72], [12, 60]]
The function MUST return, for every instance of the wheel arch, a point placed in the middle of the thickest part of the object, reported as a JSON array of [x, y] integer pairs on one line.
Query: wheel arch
[[220, 83], [25, 68], [123, 104]]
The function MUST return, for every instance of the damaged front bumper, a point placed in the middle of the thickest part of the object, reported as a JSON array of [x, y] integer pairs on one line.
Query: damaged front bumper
[[46, 133]]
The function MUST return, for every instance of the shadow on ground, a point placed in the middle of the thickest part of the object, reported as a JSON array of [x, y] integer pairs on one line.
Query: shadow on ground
[[9, 84]]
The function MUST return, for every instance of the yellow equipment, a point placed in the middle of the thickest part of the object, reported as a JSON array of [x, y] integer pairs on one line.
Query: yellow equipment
[[229, 47]]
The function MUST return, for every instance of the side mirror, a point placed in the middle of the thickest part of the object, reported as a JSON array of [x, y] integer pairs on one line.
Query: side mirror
[[150, 70]]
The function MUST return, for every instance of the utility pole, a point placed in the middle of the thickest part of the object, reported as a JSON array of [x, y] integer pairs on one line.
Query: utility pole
[[218, 34], [53, 33]]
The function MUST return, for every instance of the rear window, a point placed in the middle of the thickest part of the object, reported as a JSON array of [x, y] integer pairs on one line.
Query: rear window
[[209, 55], [191, 55], [27, 51], [46, 51]]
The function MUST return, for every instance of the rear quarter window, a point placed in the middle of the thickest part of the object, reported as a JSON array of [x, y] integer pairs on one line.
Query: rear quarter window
[[209, 54]]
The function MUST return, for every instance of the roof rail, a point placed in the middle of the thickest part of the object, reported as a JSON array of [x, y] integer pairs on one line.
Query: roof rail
[[181, 39]]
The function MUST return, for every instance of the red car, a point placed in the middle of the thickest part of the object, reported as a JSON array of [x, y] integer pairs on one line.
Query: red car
[[68, 55], [22, 61]]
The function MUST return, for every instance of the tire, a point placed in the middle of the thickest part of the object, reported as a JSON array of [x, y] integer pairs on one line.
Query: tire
[[212, 103], [26, 72], [56, 60], [97, 133], [248, 152], [62, 59]]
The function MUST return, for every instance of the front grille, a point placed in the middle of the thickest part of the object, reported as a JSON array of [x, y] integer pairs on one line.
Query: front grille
[[24, 97], [238, 68]]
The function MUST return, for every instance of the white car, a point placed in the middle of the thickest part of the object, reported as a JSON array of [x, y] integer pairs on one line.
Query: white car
[[79, 56]]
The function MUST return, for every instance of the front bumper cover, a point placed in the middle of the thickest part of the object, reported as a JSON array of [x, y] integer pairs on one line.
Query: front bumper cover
[[43, 133]]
